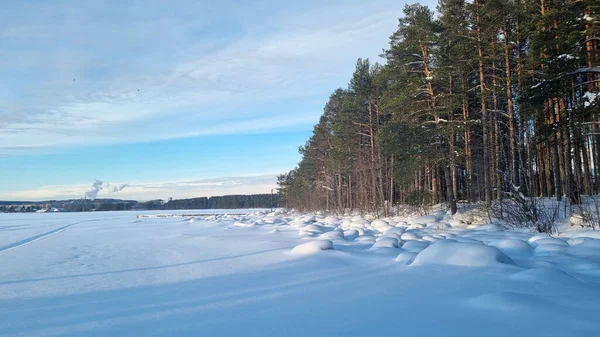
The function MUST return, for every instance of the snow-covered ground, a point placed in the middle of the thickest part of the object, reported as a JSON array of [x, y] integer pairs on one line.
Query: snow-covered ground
[[113, 274]]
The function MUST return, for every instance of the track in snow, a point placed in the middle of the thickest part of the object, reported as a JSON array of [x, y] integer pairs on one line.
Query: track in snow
[[36, 237]]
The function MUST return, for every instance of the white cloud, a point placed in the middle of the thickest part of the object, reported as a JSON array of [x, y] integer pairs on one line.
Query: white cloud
[[247, 83], [148, 191]]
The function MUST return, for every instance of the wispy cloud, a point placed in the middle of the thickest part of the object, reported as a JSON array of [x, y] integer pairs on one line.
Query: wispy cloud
[[147, 74], [148, 191]]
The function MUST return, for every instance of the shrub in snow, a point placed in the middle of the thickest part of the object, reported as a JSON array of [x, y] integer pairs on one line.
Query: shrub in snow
[[313, 247], [460, 254], [527, 212]]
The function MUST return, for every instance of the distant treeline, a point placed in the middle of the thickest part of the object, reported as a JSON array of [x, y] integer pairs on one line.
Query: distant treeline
[[71, 205], [220, 202], [84, 205]]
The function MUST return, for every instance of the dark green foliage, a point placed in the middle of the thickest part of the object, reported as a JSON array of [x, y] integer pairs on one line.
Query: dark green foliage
[[479, 97]]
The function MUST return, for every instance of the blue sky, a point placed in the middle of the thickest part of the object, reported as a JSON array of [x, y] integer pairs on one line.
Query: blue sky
[[176, 99]]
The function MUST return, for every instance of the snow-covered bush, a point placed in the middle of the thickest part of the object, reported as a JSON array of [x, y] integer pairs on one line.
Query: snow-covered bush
[[527, 212]]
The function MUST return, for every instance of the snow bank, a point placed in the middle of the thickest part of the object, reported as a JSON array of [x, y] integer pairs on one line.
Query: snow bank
[[460, 254], [313, 247]]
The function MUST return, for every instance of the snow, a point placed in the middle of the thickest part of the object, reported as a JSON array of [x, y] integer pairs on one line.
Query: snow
[[460, 254], [591, 98], [313, 247], [387, 242], [258, 273]]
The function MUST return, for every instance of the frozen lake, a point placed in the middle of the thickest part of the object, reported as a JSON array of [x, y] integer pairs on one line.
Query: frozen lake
[[113, 274]]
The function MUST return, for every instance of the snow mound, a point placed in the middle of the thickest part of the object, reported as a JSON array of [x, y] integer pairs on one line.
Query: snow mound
[[359, 220], [245, 225], [272, 220], [508, 302], [331, 220], [313, 247], [396, 230], [383, 229], [455, 223], [366, 239], [543, 274], [514, 247], [460, 254], [587, 234], [423, 219], [553, 241], [409, 236], [379, 223], [429, 238], [406, 257], [414, 246], [589, 247], [577, 241], [309, 218], [333, 235], [297, 223], [389, 235], [538, 237], [351, 234], [549, 248], [314, 228], [386, 243]]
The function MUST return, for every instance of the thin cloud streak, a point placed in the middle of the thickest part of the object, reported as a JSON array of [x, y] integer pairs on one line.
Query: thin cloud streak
[[202, 91], [149, 191]]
